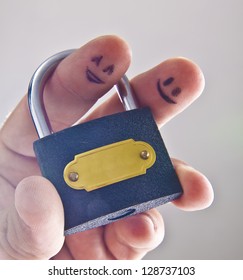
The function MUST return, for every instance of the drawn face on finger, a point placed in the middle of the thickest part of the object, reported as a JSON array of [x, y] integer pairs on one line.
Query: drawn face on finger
[[98, 70], [168, 90]]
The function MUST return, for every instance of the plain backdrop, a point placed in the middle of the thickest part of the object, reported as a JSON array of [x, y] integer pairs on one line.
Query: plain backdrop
[[208, 135]]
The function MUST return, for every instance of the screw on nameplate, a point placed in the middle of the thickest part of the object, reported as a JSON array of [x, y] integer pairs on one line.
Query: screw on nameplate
[[73, 176], [144, 154], [109, 164]]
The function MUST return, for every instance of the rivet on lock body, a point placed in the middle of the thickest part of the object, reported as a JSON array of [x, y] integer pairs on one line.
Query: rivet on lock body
[[105, 169]]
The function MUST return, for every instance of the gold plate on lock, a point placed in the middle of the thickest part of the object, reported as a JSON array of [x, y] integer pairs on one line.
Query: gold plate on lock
[[109, 164]]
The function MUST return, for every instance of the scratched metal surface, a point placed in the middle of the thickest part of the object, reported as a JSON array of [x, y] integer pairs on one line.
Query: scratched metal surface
[[208, 135]]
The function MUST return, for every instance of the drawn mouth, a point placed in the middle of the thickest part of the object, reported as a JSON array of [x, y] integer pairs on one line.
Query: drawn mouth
[[163, 95], [93, 78]]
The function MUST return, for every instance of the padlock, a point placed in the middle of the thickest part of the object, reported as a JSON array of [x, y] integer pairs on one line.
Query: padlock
[[105, 169]]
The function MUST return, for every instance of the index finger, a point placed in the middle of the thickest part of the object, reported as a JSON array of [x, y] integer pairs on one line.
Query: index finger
[[76, 84]]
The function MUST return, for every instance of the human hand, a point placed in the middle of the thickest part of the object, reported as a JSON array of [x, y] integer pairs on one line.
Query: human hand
[[31, 211]]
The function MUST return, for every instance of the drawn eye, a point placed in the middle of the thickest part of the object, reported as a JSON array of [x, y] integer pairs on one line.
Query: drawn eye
[[97, 59], [109, 69], [168, 81], [176, 91]]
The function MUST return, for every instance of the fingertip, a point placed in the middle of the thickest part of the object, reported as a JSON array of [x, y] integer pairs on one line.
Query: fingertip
[[170, 87], [112, 47], [115, 42], [197, 190], [96, 55], [83, 77], [192, 77], [145, 229], [36, 199], [40, 219], [133, 237]]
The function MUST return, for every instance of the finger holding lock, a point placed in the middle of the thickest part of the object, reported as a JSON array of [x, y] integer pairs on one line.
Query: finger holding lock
[[83, 77], [73, 88]]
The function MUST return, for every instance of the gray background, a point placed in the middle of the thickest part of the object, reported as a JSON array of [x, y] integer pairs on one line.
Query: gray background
[[208, 135]]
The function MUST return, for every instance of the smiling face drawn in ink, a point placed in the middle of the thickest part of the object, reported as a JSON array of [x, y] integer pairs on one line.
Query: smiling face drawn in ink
[[92, 76], [175, 91]]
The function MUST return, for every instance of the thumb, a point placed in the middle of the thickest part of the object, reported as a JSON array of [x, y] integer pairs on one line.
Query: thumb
[[34, 224]]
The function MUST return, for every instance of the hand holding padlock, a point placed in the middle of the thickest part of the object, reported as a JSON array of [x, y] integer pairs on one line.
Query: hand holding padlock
[[36, 202], [108, 168]]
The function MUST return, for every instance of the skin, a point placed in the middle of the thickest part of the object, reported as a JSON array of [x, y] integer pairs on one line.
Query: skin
[[91, 74], [175, 92], [31, 212]]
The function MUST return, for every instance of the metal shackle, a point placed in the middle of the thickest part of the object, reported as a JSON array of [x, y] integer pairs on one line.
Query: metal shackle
[[36, 88]]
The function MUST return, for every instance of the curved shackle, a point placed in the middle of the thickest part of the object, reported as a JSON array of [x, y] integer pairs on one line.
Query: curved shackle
[[36, 88]]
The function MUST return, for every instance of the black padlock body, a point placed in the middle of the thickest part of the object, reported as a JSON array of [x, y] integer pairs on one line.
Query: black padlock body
[[85, 210]]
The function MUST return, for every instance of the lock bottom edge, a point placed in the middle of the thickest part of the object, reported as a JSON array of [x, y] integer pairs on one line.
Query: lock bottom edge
[[121, 214]]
